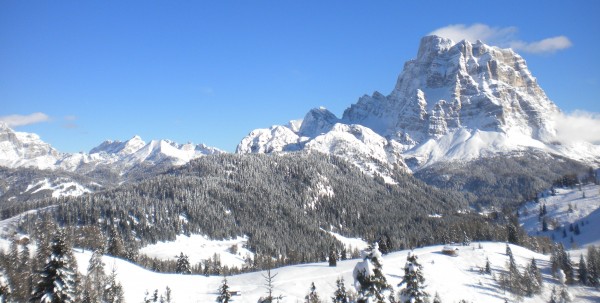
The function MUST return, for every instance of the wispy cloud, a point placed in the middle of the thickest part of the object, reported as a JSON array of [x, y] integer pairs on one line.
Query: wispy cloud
[[578, 126], [501, 36], [21, 120], [70, 122]]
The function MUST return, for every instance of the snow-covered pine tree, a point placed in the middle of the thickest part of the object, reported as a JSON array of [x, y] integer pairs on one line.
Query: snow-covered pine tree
[[488, 266], [56, 283], [532, 279], [340, 295], [593, 257], [414, 291], [369, 280], [95, 282], [224, 294], [113, 292], [436, 298], [312, 296], [583, 271], [115, 246], [332, 256], [183, 265]]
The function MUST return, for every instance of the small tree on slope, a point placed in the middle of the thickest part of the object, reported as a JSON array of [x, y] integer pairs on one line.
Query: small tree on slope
[[312, 296], [340, 295], [413, 279], [56, 283], [369, 280], [224, 294]]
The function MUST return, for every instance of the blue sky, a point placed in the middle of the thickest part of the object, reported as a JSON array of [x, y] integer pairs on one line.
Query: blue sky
[[212, 72]]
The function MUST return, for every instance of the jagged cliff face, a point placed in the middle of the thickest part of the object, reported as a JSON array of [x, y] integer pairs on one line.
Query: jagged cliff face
[[453, 102], [463, 85]]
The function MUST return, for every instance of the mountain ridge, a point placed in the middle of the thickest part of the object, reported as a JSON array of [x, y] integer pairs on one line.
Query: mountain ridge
[[453, 102]]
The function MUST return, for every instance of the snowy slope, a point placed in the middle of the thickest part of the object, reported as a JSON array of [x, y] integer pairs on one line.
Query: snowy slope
[[198, 248], [455, 101], [455, 278], [585, 212]]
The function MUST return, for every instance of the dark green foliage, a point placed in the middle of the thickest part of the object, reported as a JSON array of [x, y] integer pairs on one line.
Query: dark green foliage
[[502, 181], [224, 293], [332, 258], [312, 296], [57, 281], [183, 265], [583, 273], [373, 285], [413, 281], [340, 295], [271, 199]]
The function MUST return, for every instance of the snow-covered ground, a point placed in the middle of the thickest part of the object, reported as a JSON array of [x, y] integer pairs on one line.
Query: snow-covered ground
[[585, 212], [350, 243], [455, 278], [199, 247]]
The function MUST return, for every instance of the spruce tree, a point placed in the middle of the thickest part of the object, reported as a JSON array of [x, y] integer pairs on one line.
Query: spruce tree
[[56, 283], [312, 296], [414, 291], [96, 281], [436, 298], [593, 266], [183, 265], [113, 292], [370, 282], [340, 295], [583, 271], [224, 294], [488, 267], [115, 246], [332, 256]]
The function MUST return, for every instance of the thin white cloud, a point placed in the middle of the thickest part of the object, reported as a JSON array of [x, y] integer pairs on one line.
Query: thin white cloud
[[501, 36], [21, 120], [578, 126], [548, 45]]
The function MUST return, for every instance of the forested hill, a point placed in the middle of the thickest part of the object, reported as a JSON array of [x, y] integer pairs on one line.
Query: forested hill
[[279, 201]]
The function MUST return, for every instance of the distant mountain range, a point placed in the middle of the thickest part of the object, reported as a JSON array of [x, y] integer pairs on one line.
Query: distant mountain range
[[453, 102]]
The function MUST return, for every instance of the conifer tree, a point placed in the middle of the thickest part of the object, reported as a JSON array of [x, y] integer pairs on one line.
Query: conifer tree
[[532, 279], [583, 271], [332, 256], [436, 298], [488, 267], [593, 266], [370, 282], [312, 296], [340, 295], [183, 265], [56, 282], [414, 291], [224, 294], [113, 292], [95, 282], [115, 246]]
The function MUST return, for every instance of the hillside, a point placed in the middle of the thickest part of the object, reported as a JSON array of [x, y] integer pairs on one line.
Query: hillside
[[572, 216], [454, 278]]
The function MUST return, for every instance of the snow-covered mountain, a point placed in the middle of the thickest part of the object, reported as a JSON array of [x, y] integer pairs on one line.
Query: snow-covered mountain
[[19, 149], [454, 101]]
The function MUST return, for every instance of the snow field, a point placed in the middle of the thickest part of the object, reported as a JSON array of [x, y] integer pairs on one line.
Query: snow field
[[198, 248], [455, 278]]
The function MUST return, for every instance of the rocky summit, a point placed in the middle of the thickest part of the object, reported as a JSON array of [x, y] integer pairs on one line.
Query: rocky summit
[[455, 101]]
